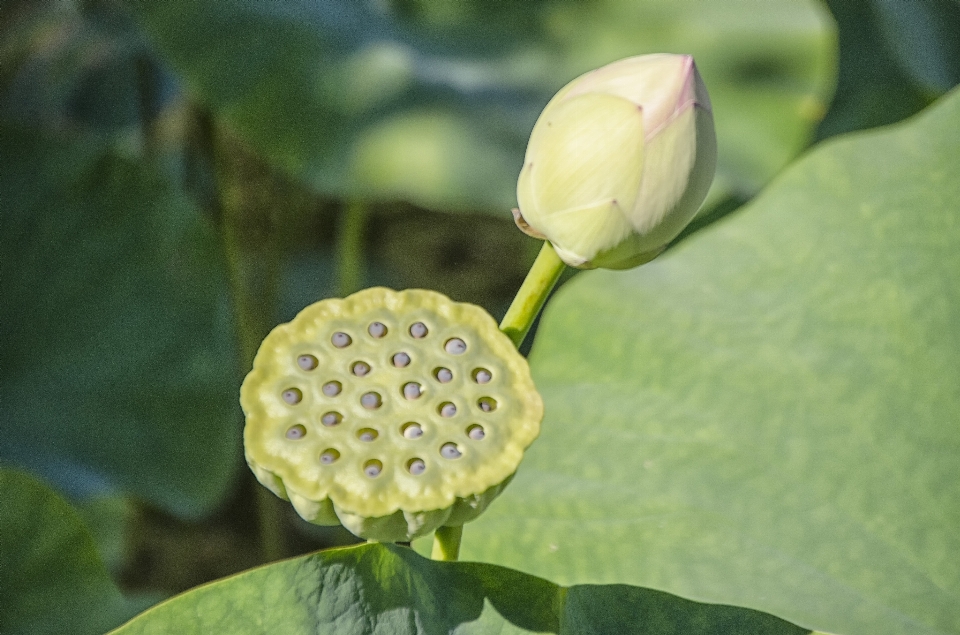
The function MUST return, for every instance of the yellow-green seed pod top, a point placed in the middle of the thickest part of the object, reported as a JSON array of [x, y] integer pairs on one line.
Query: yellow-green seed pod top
[[393, 413], [619, 161]]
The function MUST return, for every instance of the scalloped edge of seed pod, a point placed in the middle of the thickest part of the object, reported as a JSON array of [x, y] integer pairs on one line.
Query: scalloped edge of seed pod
[[390, 515], [405, 526]]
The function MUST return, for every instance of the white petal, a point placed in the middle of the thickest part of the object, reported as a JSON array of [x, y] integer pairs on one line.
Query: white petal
[[580, 233], [680, 162], [588, 149], [658, 83], [669, 158]]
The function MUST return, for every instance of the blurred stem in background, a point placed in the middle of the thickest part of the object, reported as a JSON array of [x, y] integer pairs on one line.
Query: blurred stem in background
[[350, 248], [244, 203]]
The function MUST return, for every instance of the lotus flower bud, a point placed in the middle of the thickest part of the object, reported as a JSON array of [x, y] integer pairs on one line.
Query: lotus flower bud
[[619, 161]]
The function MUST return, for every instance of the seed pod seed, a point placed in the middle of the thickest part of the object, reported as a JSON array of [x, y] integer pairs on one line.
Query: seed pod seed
[[331, 419], [418, 330], [455, 346], [476, 432], [341, 340], [487, 404], [443, 375], [296, 432], [377, 329], [412, 431], [447, 409], [372, 468], [332, 388], [412, 390], [370, 400], [292, 396], [401, 360], [367, 434], [307, 362], [329, 456], [450, 451], [360, 369], [482, 376], [416, 466]]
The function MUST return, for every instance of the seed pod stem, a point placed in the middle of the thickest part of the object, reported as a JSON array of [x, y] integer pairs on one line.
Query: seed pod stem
[[533, 293], [446, 543]]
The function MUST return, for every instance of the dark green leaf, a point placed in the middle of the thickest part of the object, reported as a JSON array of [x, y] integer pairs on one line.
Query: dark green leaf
[[895, 59], [109, 519], [52, 579], [117, 367], [74, 67], [768, 415], [377, 588]]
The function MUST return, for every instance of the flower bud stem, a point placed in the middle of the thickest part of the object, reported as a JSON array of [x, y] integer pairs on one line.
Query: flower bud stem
[[446, 543], [533, 293]]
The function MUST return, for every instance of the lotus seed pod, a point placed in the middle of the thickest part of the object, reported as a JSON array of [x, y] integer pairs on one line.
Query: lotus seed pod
[[619, 162], [391, 413]]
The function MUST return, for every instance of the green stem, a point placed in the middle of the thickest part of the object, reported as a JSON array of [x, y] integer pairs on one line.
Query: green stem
[[446, 543], [253, 270], [350, 248], [516, 324], [533, 293], [270, 510]]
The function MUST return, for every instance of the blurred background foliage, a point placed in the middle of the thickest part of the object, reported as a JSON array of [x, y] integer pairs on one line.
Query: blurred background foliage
[[177, 177]]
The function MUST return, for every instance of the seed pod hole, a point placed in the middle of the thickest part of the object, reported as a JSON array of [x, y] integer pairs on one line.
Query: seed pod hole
[[296, 432], [411, 430], [292, 396], [401, 360], [370, 400], [360, 369], [331, 419], [418, 330], [443, 375], [416, 466], [329, 456], [487, 404], [450, 451], [447, 409], [367, 434], [307, 362], [476, 432], [412, 390], [341, 339], [482, 375], [377, 329], [373, 468], [332, 388], [455, 346]]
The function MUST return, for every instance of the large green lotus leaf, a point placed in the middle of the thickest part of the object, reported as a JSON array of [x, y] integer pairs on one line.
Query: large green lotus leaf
[[768, 416], [433, 104], [390, 590], [52, 578], [115, 356]]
